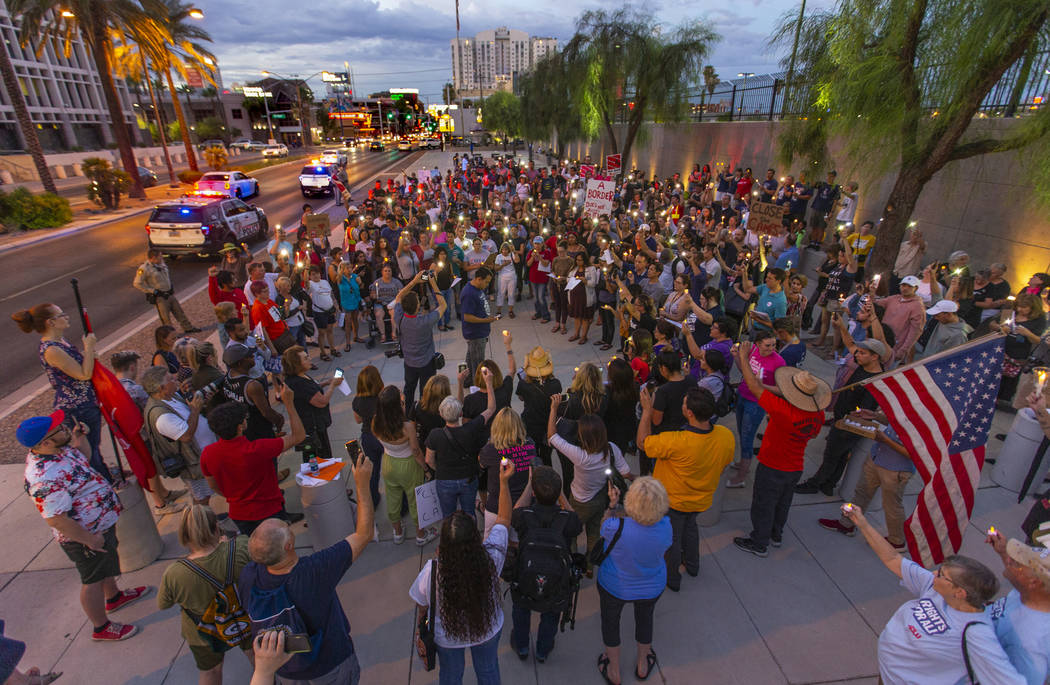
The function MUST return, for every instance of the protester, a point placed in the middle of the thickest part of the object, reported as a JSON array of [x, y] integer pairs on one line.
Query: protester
[[536, 386], [154, 279], [309, 586], [311, 401], [253, 393], [82, 510], [477, 318], [948, 332], [507, 440], [366, 393], [403, 461], [762, 361], [417, 332], [1022, 618], [633, 572]]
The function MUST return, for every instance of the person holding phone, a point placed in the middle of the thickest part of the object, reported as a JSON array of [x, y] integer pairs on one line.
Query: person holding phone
[[417, 332]]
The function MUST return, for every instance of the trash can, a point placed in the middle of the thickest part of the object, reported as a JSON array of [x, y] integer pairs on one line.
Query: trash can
[[1020, 448], [713, 514], [854, 471], [139, 542], [329, 515]]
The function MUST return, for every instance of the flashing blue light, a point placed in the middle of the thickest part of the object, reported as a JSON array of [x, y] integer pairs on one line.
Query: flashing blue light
[[184, 210], [320, 169]]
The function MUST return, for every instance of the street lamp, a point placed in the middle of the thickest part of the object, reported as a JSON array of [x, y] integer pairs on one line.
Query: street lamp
[[744, 75], [196, 13]]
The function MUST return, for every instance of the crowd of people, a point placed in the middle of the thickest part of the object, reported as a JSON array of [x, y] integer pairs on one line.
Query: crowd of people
[[706, 318]]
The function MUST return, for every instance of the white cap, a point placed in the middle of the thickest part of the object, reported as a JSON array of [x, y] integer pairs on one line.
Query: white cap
[[913, 281], [943, 307]]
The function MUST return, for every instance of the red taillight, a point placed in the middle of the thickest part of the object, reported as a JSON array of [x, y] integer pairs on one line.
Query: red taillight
[[147, 228]]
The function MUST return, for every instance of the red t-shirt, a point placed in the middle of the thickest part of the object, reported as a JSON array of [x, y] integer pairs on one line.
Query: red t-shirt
[[270, 316], [641, 370], [788, 432], [244, 471], [535, 275], [743, 187]]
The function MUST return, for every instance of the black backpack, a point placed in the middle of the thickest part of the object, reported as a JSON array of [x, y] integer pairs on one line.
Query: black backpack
[[726, 400], [544, 578]]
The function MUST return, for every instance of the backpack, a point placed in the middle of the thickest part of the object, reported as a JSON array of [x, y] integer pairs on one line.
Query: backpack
[[273, 610], [726, 400], [224, 623], [172, 457], [544, 579]]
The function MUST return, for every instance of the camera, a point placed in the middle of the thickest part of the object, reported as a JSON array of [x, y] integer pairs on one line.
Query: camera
[[425, 276], [395, 352]]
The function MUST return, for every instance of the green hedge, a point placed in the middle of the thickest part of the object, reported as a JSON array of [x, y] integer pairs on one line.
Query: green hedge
[[21, 210], [190, 176]]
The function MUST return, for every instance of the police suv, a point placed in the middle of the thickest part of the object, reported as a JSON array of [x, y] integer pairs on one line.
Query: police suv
[[316, 179], [201, 225]]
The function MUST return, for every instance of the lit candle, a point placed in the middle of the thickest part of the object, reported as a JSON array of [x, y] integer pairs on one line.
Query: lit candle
[[992, 530], [1040, 378], [875, 279], [505, 333], [504, 461], [847, 508]]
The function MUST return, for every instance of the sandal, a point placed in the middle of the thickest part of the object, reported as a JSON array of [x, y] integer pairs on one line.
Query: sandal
[[603, 348], [360, 340], [575, 336], [347, 348], [325, 358], [650, 661], [583, 341], [511, 314], [603, 668], [336, 353]]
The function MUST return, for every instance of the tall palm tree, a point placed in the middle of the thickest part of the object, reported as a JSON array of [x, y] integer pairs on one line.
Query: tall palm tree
[[25, 122], [92, 20], [184, 51]]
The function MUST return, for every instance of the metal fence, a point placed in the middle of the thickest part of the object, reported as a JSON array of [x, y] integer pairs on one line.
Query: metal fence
[[1024, 87]]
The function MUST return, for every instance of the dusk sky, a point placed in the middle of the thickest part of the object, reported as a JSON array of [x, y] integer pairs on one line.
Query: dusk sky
[[405, 43]]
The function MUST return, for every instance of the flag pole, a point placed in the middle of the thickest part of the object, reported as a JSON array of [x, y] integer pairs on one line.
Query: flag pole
[[923, 362]]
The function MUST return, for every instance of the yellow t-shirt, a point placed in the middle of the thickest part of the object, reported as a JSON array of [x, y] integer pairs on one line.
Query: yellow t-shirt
[[861, 244], [689, 464]]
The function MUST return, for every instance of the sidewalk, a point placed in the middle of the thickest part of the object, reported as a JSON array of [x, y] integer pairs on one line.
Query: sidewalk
[[810, 613]]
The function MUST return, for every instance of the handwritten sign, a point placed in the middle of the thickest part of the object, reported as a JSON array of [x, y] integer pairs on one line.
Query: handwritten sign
[[599, 198], [765, 217], [428, 507], [318, 225]]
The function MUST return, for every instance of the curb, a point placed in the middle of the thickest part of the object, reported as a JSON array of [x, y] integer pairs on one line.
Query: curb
[[62, 232]]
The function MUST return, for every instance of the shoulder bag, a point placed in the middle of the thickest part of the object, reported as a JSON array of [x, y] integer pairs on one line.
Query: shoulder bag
[[426, 646]]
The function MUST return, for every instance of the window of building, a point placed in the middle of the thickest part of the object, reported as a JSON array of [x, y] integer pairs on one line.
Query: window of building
[[236, 113]]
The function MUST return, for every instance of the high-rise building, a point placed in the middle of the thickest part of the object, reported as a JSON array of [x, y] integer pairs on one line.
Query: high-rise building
[[63, 94], [492, 59]]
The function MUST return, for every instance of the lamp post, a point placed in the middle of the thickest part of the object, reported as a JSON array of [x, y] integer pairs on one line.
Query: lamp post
[[304, 131], [744, 75]]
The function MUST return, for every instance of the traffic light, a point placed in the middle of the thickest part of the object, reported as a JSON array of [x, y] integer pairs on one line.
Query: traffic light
[[408, 117], [390, 115]]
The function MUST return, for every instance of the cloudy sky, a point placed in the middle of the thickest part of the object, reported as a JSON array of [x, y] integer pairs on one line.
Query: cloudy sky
[[405, 43]]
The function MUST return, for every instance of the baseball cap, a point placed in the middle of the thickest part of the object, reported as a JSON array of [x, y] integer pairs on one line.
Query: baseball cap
[[876, 346], [913, 281], [351, 209], [943, 307], [1033, 558], [31, 431], [235, 353]]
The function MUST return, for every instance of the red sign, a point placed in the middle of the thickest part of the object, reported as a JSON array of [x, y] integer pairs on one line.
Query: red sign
[[193, 78], [612, 162], [587, 170]]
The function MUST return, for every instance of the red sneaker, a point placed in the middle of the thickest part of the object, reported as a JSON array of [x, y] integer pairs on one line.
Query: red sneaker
[[836, 525], [126, 597], [114, 632]]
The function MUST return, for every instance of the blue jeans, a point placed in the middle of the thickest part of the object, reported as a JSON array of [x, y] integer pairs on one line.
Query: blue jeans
[[299, 334], [542, 311], [451, 662], [462, 492], [548, 629], [91, 416], [748, 418]]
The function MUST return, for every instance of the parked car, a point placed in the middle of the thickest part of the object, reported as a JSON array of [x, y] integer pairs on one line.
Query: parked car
[[279, 150], [202, 225], [430, 144], [212, 143], [147, 177], [227, 184], [242, 143]]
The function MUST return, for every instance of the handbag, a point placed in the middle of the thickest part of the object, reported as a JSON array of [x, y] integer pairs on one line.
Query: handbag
[[617, 479], [601, 551], [439, 361], [426, 646], [308, 328]]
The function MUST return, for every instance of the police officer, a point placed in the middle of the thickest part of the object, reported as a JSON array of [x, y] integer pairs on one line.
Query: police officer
[[154, 279]]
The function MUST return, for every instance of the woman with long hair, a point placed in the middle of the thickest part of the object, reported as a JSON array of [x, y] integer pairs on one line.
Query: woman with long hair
[[621, 416], [204, 361], [583, 296], [181, 586], [350, 287], [68, 371], [536, 386], [402, 460], [366, 396], [508, 439], [469, 610], [1029, 322]]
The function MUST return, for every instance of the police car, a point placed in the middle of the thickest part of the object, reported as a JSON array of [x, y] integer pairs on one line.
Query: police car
[[201, 225], [226, 184], [333, 157], [316, 179]]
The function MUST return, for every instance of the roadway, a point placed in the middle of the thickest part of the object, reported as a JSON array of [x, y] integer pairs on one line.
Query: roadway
[[104, 260]]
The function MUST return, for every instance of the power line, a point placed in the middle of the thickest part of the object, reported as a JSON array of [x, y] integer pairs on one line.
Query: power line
[[394, 73]]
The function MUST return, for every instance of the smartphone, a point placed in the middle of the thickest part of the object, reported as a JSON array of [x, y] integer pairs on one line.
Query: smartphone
[[338, 373], [296, 643], [565, 397], [462, 367], [353, 450], [425, 276]]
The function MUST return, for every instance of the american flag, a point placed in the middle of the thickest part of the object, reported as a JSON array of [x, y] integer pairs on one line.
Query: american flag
[[942, 408]]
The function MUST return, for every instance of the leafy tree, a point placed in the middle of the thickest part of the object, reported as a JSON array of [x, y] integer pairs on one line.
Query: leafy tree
[[625, 56], [503, 114], [448, 93], [215, 156], [92, 20], [900, 82], [106, 183], [546, 103], [210, 128]]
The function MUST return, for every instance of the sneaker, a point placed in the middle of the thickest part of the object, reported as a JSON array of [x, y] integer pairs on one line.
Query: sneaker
[[543, 657], [837, 526], [431, 535], [114, 632], [127, 597], [399, 537], [806, 487], [734, 483], [900, 548], [748, 545], [828, 490], [776, 542], [175, 494], [168, 508], [522, 652]]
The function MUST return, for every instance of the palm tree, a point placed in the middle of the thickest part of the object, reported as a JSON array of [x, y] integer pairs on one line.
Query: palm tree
[[25, 123], [92, 20], [212, 93]]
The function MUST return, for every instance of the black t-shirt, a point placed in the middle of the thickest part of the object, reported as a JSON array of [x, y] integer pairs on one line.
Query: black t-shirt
[[546, 512], [547, 188], [537, 400], [425, 422], [475, 402], [990, 291], [668, 399], [848, 400], [456, 459], [702, 331], [365, 407], [524, 458], [304, 388], [1016, 345]]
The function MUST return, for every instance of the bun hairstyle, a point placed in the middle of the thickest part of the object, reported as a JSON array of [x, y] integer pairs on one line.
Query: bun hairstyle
[[34, 319]]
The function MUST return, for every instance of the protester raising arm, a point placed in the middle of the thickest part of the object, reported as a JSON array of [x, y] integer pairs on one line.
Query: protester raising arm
[[743, 360], [880, 545]]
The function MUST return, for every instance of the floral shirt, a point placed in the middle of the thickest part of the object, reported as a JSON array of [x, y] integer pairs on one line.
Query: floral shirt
[[69, 392], [65, 483]]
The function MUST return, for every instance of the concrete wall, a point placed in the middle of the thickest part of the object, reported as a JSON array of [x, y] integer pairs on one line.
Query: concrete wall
[[984, 205], [15, 168]]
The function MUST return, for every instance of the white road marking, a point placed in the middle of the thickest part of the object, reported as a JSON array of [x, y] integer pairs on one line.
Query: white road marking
[[41, 285]]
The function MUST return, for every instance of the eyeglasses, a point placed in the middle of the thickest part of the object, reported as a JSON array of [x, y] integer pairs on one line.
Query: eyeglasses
[[62, 315], [942, 574]]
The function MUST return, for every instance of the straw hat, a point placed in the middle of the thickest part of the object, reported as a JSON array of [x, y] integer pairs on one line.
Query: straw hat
[[538, 363], [803, 389]]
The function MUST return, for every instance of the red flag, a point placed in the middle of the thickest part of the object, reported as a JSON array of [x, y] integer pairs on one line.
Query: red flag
[[125, 420], [941, 409]]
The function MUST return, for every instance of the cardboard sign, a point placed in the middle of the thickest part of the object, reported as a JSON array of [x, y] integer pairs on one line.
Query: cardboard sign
[[612, 162], [318, 225], [587, 170], [428, 507], [599, 198], [765, 217]]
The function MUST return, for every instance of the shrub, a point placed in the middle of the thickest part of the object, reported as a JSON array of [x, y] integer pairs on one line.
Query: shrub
[[105, 183], [216, 157], [189, 176], [20, 209]]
